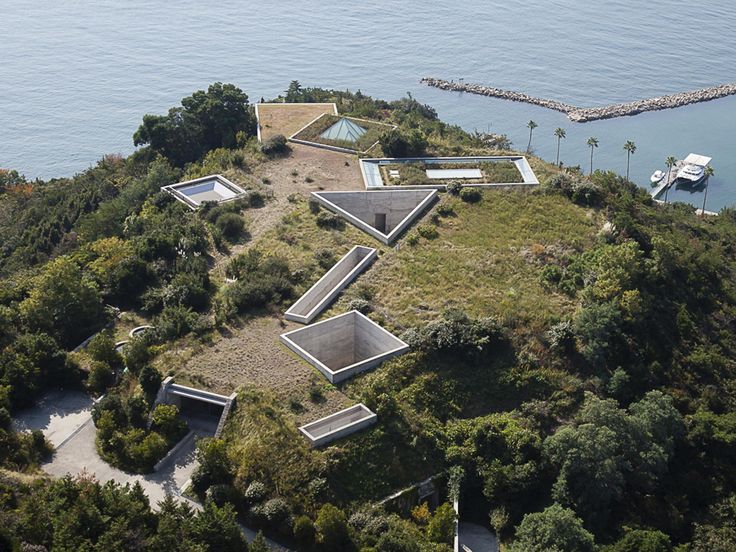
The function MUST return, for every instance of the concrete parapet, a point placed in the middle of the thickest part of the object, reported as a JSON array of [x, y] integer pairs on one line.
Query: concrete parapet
[[344, 345], [339, 424], [324, 291], [384, 214]]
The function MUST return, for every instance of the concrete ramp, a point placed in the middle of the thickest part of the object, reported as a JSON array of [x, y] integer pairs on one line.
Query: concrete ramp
[[344, 345], [384, 214]]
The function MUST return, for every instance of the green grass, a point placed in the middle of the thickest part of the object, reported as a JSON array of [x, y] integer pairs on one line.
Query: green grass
[[414, 174], [313, 131], [487, 260]]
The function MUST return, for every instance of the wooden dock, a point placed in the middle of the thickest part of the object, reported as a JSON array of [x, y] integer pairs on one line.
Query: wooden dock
[[668, 180]]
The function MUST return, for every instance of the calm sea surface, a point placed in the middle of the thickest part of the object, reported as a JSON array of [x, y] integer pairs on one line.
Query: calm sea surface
[[77, 75]]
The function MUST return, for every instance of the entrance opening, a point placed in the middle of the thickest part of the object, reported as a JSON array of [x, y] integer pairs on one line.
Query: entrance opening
[[380, 223]]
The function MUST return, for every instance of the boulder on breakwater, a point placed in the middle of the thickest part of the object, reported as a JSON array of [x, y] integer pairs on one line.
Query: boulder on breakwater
[[585, 114]]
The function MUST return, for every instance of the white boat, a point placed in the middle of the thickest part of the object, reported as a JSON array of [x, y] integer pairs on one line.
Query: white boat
[[691, 173], [656, 177]]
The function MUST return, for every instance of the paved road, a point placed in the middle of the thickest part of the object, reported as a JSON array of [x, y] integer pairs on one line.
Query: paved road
[[65, 417]]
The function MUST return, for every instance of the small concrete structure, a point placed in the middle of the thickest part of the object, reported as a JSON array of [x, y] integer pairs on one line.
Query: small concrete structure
[[215, 187], [173, 393], [339, 424], [344, 345], [322, 293], [384, 214], [373, 180], [139, 330]]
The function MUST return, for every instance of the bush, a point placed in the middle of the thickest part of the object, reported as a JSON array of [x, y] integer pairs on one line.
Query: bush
[[150, 381], [165, 420], [314, 206], [427, 231], [445, 209], [100, 376], [455, 332], [361, 305], [304, 532], [441, 527], [255, 493], [397, 143], [332, 529], [136, 354], [471, 195], [231, 225], [222, 493], [454, 188], [275, 145], [102, 349], [325, 258], [330, 220]]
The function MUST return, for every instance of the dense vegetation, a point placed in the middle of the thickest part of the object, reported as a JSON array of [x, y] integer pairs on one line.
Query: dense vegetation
[[573, 351]]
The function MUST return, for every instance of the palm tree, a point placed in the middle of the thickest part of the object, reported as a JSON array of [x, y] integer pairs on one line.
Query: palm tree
[[707, 173], [560, 133], [531, 125], [630, 148], [670, 162], [592, 144]]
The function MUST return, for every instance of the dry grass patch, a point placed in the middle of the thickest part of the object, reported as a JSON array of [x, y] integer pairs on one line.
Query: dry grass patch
[[286, 118]]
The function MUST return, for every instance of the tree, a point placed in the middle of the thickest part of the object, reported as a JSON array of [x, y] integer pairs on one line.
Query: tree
[[707, 174], [630, 148], [259, 543], [560, 133], [304, 532], [332, 528], [531, 125], [556, 529], [640, 540], [102, 349], [396, 143], [205, 121], [213, 465], [670, 162], [216, 528], [592, 144], [64, 302], [150, 381], [294, 92], [441, 527]]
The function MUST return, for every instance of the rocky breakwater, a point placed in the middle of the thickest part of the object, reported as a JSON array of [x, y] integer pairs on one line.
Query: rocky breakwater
[[585, 114]]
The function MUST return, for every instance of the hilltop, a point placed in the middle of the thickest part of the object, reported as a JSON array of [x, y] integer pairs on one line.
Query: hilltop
[[572, 346]]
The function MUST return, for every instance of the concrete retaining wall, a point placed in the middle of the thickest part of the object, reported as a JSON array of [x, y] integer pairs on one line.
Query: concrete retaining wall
[[338, 425], [322, 293], [400, 208], [344, 345]]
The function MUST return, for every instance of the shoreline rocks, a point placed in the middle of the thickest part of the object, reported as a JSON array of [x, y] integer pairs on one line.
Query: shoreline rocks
[[585, 114]]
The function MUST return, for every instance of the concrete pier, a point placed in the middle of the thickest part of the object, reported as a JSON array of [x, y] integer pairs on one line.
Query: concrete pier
[[584, 114]]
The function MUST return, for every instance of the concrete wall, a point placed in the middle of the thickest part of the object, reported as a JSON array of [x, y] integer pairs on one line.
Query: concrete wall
[[401, 207], [339, 424], [220, 185], [322, 293], [344, 345]]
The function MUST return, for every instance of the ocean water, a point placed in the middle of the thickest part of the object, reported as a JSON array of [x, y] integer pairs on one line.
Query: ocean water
[[78, 75]]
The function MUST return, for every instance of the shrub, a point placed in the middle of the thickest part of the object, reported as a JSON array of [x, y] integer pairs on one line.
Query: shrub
[[397, 143], [455, 332], [102, 349], [330, 220], [325, 258], [561, 336], [222, 493], [445, 209], [441, 527], [304, 532], [454, 188], [150, 381], [213, 465], [360, 304], [100, 376], [427, 231], [412, 239], [314, 206], [255, 493], [471, 195], [231, 225], [275, 145], [165, 420], [332, 528], [136, 354]]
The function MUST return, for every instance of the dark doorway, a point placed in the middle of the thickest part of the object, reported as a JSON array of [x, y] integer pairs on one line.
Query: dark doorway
[[380, 224]]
